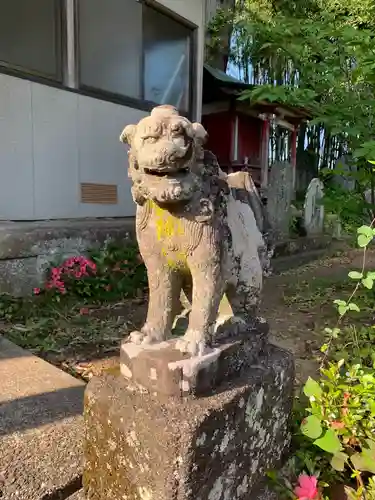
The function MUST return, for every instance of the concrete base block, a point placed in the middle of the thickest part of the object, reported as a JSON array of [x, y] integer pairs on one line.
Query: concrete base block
[[217, 447]]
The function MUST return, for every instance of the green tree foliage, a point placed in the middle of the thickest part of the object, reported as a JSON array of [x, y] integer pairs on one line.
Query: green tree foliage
[[324, 64], [319, 55]]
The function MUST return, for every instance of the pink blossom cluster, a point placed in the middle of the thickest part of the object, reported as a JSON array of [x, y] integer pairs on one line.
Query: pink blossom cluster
[[307, 488], [74, 267]]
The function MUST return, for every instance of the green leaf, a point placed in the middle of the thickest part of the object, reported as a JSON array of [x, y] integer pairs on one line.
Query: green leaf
[[364, 461], [329, 442], [371, 161], [355, 275], [339, 302], [365, 230], [324, 348], [335, 332], [343, 310], [339, 460], [353, 307], [366, 234], [363, 240], [312, 389], [311, 427], [368, 282]]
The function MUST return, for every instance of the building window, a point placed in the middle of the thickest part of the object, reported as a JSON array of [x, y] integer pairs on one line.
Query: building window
[[166, 45], [125, 51], [30, 37], [110, 46], [130, 49]]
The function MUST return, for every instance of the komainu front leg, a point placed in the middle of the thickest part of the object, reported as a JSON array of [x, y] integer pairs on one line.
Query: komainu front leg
[[207, 292], [163, 288]]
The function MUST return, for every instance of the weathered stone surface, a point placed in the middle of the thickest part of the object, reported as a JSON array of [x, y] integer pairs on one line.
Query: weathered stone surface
[[313, 207], [193, 234], [164, 370], [345, 173], [31, 239], [266, 493], [213, 448], [41, 427], [279, 198], [28, 248], [79, 495]]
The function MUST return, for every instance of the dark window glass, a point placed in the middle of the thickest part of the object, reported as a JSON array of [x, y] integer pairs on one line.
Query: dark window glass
[[110, 42], [166, 45], [30, 36]]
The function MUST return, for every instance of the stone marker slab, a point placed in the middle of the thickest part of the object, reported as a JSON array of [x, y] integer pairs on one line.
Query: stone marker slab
[[41, 427], [216, 447], [313, 207], [279, 198]]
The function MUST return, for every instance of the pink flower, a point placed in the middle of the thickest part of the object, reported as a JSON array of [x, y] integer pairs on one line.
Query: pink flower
[[84, 311], [307, 488], [36, 291], [337, 425]]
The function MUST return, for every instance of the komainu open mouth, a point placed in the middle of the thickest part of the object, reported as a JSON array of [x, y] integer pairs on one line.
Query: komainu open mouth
[[167, 172]]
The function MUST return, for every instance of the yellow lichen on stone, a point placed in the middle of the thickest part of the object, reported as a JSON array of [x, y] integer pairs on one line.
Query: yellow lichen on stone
[[167, 225], [168, 230], [176, 260]]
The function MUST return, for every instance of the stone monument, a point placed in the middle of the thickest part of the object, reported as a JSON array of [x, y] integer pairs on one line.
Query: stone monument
[[203, 416], [279, 199], [345, 171], [314, 208]]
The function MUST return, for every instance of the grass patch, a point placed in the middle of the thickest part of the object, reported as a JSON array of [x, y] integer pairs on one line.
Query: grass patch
[[316, 292], [85, 306], [68, 329]]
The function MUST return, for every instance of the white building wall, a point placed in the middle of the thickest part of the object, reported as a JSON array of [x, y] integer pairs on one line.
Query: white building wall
[[52, 140]]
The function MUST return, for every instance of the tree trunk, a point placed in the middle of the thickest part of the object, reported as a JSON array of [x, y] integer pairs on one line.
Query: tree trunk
[[218, 55]]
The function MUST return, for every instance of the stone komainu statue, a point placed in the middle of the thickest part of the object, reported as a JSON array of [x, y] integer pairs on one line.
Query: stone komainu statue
[[198, 230]]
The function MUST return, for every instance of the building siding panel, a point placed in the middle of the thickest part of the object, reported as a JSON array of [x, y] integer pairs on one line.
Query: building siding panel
[[16, 149]]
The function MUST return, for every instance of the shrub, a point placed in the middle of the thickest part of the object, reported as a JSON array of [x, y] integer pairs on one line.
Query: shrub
[[104, 275]]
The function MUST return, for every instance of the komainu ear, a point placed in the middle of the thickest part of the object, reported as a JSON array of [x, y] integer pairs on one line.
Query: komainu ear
[[127, 134], [200, 134]]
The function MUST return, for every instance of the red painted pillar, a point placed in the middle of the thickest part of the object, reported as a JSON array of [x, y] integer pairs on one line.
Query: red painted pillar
[[265, 152], [293, 155]]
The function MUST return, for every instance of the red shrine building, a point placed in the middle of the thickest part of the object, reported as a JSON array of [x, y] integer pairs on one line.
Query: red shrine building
[[246, 135]]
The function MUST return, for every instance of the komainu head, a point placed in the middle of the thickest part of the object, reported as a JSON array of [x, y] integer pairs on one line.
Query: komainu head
[[164, 149]]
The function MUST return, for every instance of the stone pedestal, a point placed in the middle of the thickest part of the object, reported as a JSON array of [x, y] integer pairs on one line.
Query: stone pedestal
[[160, 430]]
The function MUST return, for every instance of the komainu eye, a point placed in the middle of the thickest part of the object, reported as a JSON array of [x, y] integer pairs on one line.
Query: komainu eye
[[150, 139], [177, 129]]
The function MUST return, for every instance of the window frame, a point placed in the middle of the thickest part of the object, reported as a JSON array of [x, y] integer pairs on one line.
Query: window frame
[[21, 71], [141, 103], [72, 83]]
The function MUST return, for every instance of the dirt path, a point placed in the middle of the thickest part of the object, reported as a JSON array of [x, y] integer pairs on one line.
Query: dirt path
[[297, 304]]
